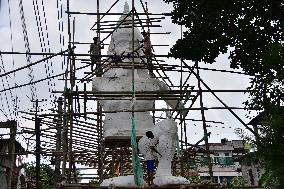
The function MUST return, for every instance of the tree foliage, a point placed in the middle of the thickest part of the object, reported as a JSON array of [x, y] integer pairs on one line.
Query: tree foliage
[[271, 146], [251, 30], [238, 181], [46, 175]]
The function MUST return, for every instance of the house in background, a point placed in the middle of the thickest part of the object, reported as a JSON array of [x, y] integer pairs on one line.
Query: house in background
[[223, 157], [226, 161]]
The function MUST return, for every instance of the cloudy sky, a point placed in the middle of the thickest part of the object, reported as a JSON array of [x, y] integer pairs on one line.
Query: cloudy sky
[[47, 32]]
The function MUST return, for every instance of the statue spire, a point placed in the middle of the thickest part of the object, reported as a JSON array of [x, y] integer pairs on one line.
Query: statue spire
[[126, 8]]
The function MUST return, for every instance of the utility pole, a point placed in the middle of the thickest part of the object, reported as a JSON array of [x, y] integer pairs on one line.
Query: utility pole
[[64, 137], [58, 140], [37, 133]]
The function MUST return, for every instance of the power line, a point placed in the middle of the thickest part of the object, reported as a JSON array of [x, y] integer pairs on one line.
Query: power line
[[3, 84], [60, 28], [40, 80], [27, 46], [7, 81], [44, 42], [32, 64]]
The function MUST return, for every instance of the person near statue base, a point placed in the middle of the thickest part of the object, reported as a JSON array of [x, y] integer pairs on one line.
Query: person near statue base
[[147, 145]]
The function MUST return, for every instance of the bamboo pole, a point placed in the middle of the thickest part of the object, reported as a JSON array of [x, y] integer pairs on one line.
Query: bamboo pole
[[205, 129]]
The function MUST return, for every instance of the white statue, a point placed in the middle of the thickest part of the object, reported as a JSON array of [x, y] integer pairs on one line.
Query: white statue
[[161, 146], [117, 125]]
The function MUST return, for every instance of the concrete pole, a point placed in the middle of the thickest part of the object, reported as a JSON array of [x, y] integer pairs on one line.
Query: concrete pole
[[58, 140], [37, 133]]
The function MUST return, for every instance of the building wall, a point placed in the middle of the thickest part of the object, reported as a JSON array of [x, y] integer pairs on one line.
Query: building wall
[[224, 166]]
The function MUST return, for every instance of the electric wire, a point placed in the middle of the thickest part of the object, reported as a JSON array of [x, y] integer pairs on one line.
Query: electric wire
[[60, 28], [43, 42], [3, 66], [6, 98], [40, 80], [13, 63], [27, 46], [32, 64], [50, 69]]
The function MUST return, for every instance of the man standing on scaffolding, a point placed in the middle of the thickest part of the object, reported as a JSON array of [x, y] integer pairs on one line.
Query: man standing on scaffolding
[[148, 50], [95, 52], [147, 45]]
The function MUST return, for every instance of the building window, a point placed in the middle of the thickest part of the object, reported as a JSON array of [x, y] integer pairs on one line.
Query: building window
[[226, 154], [226, 161]]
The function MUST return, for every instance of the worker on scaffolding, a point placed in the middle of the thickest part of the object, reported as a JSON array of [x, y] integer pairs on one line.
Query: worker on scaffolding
[[116, 58], [147, 45], [147, 145], [95, 51], [148, 50]]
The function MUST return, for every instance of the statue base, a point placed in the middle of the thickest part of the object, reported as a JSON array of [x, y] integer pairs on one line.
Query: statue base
[[120, 181], [166, 180]]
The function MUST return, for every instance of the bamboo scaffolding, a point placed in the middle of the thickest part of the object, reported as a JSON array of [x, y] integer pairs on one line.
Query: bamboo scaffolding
[[117, 14], [82, 138]]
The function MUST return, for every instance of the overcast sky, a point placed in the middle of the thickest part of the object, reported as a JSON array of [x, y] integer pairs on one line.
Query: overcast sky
[[51, 42]]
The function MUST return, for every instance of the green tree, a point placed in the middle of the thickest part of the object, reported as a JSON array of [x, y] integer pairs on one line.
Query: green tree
[[46, 175], [251, 31], [271, 145], [238, 181], [194, 179], [94, 182]]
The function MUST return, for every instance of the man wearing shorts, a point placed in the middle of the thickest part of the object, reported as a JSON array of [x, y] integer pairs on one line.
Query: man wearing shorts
[[147, 145]]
